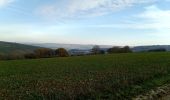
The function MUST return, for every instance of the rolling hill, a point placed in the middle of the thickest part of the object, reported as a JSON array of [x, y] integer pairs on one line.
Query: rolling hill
[[9, 47], [151, 47], [90, 46], [68, 46]]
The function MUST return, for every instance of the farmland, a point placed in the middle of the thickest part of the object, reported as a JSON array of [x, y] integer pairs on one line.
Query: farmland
[[115, 76]]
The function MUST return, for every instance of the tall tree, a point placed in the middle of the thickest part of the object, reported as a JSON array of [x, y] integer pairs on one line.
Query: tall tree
[[44, 52], [126, 49], [96, 49], [116, 49], [61, 52]]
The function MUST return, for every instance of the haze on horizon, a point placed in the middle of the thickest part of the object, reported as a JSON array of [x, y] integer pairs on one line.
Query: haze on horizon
[[111, 22]]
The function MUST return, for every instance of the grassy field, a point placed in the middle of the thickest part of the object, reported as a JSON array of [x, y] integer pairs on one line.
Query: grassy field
[[9, 47], [117, 76]]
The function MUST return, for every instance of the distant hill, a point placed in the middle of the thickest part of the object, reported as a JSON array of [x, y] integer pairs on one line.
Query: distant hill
[[8, 47], [152, 47], [88, 47], [69, 46]]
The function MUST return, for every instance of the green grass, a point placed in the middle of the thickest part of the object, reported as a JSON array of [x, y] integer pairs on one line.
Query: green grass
[[117, 76]]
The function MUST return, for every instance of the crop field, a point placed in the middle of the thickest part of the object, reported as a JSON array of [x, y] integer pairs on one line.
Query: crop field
[[115, 77]]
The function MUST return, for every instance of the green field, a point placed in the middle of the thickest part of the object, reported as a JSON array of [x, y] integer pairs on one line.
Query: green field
[[9, 47], [117, 76]]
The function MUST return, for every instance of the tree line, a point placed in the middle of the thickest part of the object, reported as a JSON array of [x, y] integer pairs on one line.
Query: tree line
[[47, 53], [61, 52], [116, 49], [38, 53]]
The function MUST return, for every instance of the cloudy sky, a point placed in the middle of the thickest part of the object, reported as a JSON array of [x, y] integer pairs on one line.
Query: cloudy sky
[[113, 22]]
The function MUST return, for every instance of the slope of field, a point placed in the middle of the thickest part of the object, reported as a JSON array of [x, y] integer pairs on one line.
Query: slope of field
[[118, 76], [8, 47]]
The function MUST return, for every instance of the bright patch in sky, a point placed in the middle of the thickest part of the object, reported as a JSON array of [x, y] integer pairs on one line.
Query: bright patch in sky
[[112, 22]]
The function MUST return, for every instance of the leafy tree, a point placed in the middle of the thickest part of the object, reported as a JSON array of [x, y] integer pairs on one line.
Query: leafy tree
[[102, 52], [44, 52], [30, 56], [14, 56], [61, 52], [115, 49], [125, 49], [96, 50], [1, 56], [158, 50]]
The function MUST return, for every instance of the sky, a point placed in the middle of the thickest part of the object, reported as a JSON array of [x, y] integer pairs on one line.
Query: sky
[[105, 22]]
